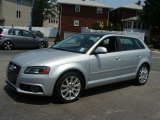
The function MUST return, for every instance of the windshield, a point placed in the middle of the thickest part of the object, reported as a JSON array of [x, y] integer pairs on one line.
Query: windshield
[[79, 43]]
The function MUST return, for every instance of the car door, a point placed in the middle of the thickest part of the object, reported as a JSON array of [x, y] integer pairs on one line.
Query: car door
[[16, 37], [28, 39], [105, 68], [130, 56]]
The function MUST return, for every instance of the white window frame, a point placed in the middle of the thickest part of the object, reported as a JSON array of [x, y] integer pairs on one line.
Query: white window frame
[[18, 14], [19, 2], [77, 8], [76, 23], [99, 10]]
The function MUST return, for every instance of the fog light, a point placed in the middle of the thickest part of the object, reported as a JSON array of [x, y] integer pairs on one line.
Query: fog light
[[34, 88]]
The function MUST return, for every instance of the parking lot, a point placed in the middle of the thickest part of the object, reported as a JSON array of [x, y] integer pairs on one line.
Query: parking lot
[[122, 101]]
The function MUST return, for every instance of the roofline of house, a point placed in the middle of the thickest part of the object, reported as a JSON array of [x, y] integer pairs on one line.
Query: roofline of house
[[131, 19], [126, 8], [85, 5]]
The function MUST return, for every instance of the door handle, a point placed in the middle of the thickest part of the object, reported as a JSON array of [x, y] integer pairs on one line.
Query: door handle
[[138, 56], [118, 58]]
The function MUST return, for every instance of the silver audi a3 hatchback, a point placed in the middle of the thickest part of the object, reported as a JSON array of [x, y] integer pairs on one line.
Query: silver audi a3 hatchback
[[80, 62]]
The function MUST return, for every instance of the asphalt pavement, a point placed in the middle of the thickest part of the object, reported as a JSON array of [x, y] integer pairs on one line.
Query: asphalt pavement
[[122, 101]]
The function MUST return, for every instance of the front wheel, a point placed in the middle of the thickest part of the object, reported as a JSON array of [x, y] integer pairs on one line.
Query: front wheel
[[41, 45], [69, 87], [142, 75]]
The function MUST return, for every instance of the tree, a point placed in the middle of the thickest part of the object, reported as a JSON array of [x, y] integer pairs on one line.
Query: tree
[[110, 27], [151, 13], [40, 10]]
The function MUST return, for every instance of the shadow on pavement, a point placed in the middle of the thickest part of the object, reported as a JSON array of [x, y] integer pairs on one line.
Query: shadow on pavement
[[42, 100]]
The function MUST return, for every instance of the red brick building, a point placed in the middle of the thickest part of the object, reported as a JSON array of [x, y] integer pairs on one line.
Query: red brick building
[[75, 14], [119, 14]]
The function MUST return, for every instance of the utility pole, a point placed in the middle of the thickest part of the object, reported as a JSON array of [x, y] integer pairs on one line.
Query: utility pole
[[30, 23]]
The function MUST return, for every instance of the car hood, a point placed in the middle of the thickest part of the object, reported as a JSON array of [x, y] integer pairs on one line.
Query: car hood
[[46, 57]]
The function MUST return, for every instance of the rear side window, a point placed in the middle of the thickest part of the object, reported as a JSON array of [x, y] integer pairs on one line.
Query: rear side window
[[127, 43], [138, 44]]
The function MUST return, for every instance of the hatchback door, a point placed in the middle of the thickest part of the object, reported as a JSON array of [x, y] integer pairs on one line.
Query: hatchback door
[[105, 68]]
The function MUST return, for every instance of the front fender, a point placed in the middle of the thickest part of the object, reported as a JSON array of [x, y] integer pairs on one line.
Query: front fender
[[57, 71]]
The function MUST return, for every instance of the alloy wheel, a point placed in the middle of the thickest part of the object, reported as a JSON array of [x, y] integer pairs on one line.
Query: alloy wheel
[[8, 45], [41, 45], [143, 74], [70, 88]]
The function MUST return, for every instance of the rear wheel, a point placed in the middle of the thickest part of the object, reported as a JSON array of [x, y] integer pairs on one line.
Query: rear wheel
[[41, 45], [68, 87], [7, 45], [142, 75]]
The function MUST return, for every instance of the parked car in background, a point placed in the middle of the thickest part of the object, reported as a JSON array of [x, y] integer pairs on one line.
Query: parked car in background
[[80, 62], [19, 38], [38, 33]]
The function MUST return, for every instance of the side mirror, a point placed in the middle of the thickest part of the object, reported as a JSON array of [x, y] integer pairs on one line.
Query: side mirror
[[100, 50]]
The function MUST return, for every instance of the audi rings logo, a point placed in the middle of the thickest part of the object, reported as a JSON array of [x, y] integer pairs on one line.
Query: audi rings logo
[[12, 68]]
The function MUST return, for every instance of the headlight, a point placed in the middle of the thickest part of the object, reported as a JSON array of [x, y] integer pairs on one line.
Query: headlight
[[37, 70]]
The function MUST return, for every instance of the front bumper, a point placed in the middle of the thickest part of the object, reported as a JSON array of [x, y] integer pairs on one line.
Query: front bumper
[[31, 84]]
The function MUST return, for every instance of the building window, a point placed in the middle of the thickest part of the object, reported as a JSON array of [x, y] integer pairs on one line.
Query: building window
[[135, 25], [139, 25], [76, 22], [18, 14], [77, 8], [53, 20], [99, 10], [19, 2]]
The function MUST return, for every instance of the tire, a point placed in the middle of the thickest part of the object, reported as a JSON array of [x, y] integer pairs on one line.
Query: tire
[[69, 87], [8, 45], [41, 45], [142, 75]]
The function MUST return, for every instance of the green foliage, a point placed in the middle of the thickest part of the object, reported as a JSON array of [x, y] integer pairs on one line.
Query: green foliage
[[149, 42], [151, 13], [110, 27], [40, 10], [96, 26], [117, 27]]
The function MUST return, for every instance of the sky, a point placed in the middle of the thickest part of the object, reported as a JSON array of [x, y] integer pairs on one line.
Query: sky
[[118, 3]]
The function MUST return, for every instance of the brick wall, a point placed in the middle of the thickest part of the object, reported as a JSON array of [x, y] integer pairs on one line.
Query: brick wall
[[87, 16]]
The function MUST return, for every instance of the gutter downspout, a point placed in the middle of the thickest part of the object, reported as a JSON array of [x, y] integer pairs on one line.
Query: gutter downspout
[[108, 17]]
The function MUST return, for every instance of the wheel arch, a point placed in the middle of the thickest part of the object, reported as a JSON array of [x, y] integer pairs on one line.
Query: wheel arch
[[71, 70], [9, 41], [147, 64]]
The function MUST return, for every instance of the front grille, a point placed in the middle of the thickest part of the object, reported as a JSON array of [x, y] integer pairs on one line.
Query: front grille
[[13, 71]]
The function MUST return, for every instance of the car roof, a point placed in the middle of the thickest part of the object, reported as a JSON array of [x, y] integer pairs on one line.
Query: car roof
[[109, 35]]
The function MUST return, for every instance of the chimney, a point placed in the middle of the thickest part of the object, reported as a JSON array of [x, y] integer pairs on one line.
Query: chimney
[[139, 2]]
